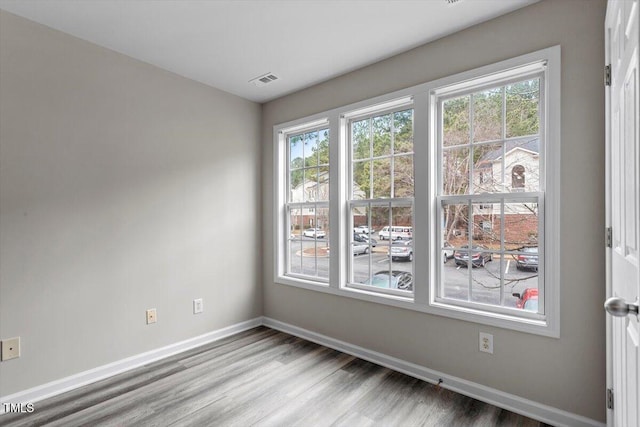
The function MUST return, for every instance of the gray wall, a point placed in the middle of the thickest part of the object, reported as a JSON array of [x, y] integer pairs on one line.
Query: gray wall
[[122, 187], [568, 373]]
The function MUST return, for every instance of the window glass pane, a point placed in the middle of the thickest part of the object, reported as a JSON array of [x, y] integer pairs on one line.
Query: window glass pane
[[360, 139], [455, 121], [382, 178], [522, 165], [295, 242], [523, 108], [455, 279], [487, 168], [403, 132], [455, 171], [296, 148], [486, 277], [521, 278], [402, 217], [403, 176], [322, 242], [487, 115], [322, 178], [323, 147], [363, 244], [296, 192], [311, 148], [487, 225], [361, 180], [381, 129], [455, 223], [379, 220], [310, 185], [520, 225]]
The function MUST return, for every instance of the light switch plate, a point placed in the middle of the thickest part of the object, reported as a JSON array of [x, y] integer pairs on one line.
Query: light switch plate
[[198, 306], [10, 348]]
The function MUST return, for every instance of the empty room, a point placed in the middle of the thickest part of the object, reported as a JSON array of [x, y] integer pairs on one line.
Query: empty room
[[319, 213]]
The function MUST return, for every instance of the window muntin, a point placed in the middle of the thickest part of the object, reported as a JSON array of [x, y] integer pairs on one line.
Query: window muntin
[[381, 197], [487, 212], [307, 204]]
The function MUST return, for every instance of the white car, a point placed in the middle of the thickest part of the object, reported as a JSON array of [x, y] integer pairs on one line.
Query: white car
[[360, 248], [315, 233], [361, 229], [447, 251]]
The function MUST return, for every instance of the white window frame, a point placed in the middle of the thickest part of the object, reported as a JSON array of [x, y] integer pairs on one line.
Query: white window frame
[[283, 139], [427, 246], [394, 106]]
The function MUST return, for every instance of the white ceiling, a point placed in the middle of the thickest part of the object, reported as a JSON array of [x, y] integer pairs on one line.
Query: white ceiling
[[226, 43]]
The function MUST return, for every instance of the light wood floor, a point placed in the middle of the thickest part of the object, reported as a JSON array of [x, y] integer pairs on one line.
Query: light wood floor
[[263, 377]]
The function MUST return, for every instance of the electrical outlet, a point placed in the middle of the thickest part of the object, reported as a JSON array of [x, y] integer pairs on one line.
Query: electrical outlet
[[486, 343], [152, 316], [10, 349], [198, 306]]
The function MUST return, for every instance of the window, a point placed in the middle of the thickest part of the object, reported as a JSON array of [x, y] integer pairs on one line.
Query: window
[[517, 177], [485, 127], [443, 197], [307, 204], [381, 197]]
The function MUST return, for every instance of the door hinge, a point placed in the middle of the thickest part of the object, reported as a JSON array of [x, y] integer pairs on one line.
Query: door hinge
[[607, 75], [609, 398], [609, 237]]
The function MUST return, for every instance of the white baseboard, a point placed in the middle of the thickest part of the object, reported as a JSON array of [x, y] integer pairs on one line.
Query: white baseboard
[[87, 377], [513, 403]]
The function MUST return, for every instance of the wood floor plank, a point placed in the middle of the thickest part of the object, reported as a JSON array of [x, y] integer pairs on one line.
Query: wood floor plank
[[254, 399], [327, 400], [263, 378]]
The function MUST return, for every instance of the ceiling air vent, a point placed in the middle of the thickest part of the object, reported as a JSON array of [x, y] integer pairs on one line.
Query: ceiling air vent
[[264, 79]]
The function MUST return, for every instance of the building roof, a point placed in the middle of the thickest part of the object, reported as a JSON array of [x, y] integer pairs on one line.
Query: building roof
[[527, 144]]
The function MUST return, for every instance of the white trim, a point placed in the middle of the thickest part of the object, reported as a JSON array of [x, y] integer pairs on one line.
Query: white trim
[[75, 381], [508, 401]]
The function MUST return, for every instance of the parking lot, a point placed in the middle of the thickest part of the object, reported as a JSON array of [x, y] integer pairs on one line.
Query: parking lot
[[485, 281]]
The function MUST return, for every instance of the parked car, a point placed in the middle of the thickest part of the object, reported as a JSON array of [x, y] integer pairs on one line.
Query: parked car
[[395, 279], [363, 238], [478, 255], [360, 248], [527, 259], [316, 233], [447, 252], [401, 250], [395, 233], [362, 229], [528, 299]]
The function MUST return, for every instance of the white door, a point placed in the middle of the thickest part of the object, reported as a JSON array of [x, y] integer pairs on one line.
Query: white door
[[623, 211]]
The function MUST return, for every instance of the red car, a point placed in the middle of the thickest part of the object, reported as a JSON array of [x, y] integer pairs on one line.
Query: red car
[[528, 300]]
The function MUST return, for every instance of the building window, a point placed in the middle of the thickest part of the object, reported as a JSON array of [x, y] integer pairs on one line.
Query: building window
[[517, 177], [381, 197], [307, 204], [486, 127]]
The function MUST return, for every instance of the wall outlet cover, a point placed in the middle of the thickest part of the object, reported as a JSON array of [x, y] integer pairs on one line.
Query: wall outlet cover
[[486, 343], [152, 316], [10, 348]]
